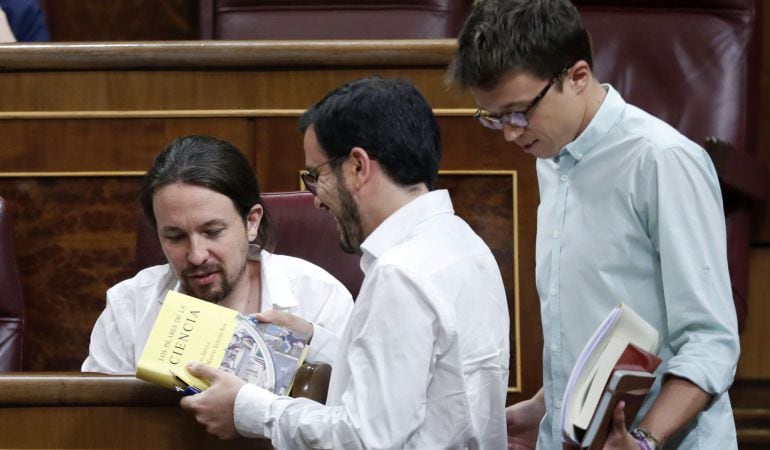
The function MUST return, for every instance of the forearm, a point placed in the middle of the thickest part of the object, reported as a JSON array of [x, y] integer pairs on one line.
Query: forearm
[[678, 403]]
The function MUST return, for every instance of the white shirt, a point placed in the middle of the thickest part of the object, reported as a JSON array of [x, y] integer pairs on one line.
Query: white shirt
[[424, 361], [288, 283], [631, 212]]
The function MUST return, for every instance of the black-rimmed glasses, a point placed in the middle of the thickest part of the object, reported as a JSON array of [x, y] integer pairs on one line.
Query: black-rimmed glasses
[[310, 176], [516, 119]]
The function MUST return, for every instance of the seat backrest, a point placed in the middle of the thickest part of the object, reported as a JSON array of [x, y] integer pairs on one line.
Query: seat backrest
[[694, 64], [11, 299], [331, 19], [302, 230]]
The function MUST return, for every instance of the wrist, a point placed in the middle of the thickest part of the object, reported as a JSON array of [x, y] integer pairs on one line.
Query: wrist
[[645, 440]]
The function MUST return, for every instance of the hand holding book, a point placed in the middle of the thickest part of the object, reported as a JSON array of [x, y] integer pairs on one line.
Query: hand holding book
[[192, 330], [617, 364]]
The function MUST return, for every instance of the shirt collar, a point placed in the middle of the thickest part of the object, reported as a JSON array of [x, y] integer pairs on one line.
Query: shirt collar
[[400, 225], [608, 114], [276, 288]]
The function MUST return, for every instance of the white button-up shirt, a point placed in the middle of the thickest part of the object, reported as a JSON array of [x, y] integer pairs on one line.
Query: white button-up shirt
[[423, 363], [288, 283]]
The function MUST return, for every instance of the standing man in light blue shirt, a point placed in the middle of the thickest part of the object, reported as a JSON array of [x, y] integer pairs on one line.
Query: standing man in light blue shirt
[[630, 211]]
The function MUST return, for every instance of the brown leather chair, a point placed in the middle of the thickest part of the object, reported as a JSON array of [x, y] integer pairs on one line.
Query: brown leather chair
[[301, 230], [11, 299], [330, 19], [693, 63]]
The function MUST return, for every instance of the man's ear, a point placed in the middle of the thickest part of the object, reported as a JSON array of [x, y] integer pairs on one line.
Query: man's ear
[[578, 77], [253, 219], [361, 169]]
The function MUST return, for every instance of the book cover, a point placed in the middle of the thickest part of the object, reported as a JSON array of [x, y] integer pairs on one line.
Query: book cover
[[628, 385], [189, 329], [596, 363]]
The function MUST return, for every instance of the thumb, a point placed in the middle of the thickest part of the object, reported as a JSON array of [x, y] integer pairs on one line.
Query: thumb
[[619, 418], [203, 371]]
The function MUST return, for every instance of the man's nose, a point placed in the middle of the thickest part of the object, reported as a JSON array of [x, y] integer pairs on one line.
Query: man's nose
[[198, 252], [512, 132]]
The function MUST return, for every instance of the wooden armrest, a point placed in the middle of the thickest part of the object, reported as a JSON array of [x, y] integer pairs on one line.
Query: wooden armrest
[[312, 381]]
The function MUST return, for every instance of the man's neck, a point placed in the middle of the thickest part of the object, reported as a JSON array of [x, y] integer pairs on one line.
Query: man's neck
[[595, 95], [387, 199], [246, 296]]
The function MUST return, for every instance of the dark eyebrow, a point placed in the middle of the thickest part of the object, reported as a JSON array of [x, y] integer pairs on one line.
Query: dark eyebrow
[[210, 223]]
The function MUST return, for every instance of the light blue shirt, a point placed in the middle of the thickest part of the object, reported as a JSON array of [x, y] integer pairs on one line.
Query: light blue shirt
[[631, 212]]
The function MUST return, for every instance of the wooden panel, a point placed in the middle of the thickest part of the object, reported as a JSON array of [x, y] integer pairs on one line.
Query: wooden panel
[[74, 238], [754, 363], [119, 144], [166, 90], [80, 411], [124, 20]]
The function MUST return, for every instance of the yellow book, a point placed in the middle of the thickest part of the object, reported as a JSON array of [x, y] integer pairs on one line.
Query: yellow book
[[189, 329]]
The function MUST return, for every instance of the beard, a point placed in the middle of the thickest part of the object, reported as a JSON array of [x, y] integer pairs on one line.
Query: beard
[[349, 220], [213, 292]]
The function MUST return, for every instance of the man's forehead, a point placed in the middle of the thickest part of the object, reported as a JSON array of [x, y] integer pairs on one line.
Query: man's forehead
[[192, 200], [516, 88]]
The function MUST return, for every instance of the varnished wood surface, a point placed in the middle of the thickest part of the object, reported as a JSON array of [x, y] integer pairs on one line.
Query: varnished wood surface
[[73, 410], [226, 54], [80, 389]]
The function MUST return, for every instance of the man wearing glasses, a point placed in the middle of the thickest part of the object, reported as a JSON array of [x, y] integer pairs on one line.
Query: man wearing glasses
[[423, 363], [630, 211]]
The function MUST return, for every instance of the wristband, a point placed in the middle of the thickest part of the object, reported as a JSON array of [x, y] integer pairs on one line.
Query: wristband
[[646, 440]]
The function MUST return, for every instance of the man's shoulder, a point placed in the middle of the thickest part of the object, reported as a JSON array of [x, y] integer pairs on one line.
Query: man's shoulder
[[146, 285], [294, 268], [437, 245], [654, 131]]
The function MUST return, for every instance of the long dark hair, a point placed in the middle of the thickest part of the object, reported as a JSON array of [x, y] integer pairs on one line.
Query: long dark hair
[[211, 163]]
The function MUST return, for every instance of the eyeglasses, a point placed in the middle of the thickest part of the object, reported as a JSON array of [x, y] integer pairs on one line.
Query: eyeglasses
[[310, 177], [516, 119]]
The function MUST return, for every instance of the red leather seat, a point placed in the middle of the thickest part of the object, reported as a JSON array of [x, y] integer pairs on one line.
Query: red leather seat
[[693, 63], [301, 230], [319, 19], [11, 299]]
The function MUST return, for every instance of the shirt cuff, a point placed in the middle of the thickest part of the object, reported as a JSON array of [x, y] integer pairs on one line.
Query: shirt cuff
[[323, 346], [251, 409]]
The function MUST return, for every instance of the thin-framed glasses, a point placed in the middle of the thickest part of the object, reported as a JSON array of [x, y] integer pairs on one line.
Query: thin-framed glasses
[[516, 119], [310, 177]]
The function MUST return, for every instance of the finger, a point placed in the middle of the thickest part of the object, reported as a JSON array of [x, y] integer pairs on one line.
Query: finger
[[270, 315], [203, 371], [619, 417]]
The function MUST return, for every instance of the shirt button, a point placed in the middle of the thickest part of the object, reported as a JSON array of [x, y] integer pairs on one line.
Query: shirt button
[[556, 234], [579, 156], [557, 404], [563, 178], [554, 291], [554, 347]]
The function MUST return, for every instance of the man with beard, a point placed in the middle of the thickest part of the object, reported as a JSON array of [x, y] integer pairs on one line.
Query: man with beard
[[424, 361], [203, 199]]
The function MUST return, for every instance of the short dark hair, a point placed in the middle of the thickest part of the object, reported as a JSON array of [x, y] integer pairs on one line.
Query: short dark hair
[[211, 163], [541, 37], [389, 118]]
